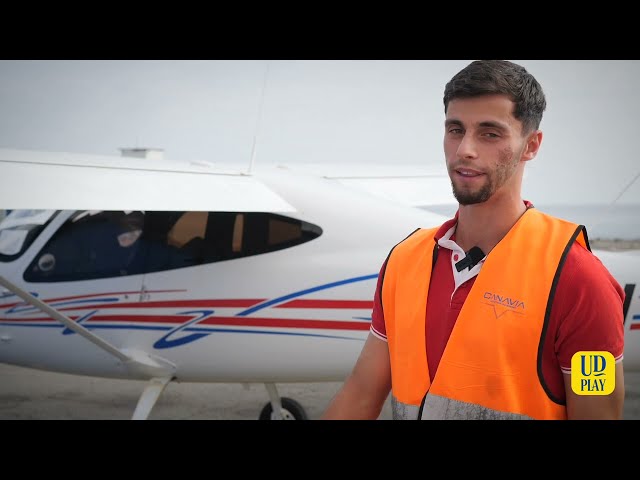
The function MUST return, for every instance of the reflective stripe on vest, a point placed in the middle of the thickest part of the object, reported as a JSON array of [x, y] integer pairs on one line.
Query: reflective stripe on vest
[[491, 365]]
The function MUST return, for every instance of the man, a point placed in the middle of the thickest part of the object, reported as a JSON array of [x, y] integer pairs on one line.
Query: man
[[481, 317]]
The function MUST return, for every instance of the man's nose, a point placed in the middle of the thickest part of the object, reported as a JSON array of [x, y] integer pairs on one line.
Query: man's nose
[[467, 147]]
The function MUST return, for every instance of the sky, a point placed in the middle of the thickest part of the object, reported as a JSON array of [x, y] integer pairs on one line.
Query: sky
[[321, 111]]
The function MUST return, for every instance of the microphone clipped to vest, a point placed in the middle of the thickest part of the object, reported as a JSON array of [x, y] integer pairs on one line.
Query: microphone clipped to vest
[[471, 259]]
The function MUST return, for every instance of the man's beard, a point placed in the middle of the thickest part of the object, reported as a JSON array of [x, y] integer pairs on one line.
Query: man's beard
[[473, 197], [494, 180]]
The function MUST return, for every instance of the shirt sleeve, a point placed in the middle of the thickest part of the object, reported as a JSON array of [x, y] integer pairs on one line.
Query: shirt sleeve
[[378, 327], [588, 306]]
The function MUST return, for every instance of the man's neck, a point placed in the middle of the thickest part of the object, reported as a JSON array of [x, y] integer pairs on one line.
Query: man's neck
[[485, 224]]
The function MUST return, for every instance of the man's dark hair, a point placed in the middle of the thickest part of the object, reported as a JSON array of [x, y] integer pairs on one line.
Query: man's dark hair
[[486, 77]]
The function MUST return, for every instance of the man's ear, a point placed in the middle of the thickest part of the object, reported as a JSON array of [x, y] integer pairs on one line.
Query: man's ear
[[533, 145]]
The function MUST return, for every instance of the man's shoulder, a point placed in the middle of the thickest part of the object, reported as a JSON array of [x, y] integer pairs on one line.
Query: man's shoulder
[[583, 258], [582, 269], [412, 244], [552, 217], [419, 234]]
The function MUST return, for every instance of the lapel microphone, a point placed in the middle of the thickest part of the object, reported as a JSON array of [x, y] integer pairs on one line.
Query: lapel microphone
[[471, 259]]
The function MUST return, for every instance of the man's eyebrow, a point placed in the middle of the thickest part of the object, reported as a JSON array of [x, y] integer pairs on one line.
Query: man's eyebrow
[[496, 125], [486, 124]]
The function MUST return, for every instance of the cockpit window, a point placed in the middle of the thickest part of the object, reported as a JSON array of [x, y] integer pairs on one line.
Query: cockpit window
[[19, 229], [91, 244], [106, 244], [185, 239]]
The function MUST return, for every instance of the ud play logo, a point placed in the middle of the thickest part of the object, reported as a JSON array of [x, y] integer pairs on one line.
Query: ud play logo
[[593, 373]]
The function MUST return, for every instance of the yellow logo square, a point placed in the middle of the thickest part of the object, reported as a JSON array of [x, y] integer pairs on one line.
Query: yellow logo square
[[593, 373]]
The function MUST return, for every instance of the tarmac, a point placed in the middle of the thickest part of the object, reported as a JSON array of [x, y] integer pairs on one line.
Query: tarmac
[[28, 394]]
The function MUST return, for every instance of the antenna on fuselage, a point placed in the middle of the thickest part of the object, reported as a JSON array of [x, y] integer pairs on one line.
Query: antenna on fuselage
[[626, 188], [612, 205], [255, 136]]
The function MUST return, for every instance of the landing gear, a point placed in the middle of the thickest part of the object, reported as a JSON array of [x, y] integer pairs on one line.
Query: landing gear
[[291, 410], [281, 408], [149, 397]]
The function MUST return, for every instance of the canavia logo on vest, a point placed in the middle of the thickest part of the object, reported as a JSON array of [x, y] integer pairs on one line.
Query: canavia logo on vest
[[502, 304], [504, 301]]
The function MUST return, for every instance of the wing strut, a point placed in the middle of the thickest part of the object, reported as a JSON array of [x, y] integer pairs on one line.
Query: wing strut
[[141, 362]]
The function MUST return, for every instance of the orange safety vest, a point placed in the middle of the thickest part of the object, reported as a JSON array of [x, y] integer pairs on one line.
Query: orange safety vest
[[491, 366]]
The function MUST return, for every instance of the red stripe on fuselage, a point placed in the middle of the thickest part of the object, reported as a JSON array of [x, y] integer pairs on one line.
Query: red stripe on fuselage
[[364, 304], [286, 323], [229, 321]]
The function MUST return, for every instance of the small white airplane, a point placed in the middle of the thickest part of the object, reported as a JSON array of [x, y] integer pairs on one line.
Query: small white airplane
[[165, 271]]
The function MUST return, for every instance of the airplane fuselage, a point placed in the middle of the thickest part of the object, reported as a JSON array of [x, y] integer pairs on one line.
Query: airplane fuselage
[[294, 314]]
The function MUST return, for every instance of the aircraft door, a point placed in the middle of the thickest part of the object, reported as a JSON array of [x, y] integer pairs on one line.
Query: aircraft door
[[173, 241]]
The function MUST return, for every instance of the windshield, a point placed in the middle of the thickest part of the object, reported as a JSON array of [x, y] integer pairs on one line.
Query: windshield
[[19, 229]]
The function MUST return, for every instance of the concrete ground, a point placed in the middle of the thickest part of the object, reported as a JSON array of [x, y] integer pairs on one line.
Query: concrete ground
[[27, 394]]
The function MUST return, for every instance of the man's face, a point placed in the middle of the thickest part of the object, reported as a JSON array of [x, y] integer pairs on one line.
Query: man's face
[[483, 147]]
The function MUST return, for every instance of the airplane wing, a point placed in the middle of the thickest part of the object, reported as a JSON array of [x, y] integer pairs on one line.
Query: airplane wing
[[418, 185], [67, 181]]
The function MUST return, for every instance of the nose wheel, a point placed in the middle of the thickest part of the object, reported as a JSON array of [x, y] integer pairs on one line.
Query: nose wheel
[[281, 408], [290, 410]]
